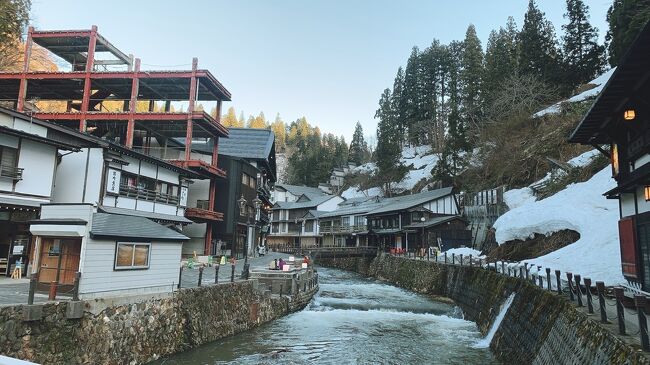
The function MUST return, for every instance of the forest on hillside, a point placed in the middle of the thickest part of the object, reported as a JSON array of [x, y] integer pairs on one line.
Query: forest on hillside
[[474, 105]]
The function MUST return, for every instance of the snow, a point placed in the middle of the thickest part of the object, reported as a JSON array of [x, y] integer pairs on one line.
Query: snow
[[583, 159], [354, 192], [599, 83], [465, 251], [580, 207], [518, 197]]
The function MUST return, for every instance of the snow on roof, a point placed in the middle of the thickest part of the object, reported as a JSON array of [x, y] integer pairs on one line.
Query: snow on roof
[[599, 81], [580, 207]]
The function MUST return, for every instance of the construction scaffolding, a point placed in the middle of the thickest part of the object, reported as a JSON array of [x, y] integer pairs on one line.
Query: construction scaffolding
[[104, 93]]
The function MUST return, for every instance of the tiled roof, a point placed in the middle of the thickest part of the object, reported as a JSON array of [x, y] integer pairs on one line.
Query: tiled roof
[[410, 201], [130, 227], [313, 202], [299, 189], [251, 143]]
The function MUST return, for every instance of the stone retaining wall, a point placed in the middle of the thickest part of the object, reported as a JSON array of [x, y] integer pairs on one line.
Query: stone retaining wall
[[539, 328], [136, 333]]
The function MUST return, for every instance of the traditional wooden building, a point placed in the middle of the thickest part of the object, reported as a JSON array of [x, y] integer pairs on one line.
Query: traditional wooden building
[[618, 125]]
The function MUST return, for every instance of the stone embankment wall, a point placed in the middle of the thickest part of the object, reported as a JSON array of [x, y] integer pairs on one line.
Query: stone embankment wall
[[110, 332], [539, 328]]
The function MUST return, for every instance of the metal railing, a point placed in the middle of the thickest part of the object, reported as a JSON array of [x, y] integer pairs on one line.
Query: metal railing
[[581, 291], [12, 172], [146, 194]]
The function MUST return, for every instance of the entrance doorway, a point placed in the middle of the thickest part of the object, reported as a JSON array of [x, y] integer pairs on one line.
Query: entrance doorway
[[59, 261]]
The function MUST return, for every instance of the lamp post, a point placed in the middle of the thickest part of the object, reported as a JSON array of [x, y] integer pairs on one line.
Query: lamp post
[[422, 219], [242, 211]]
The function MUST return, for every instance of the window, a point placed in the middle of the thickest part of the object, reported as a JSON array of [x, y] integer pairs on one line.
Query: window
[[145, 188], [309, 226], [132, 256], [244, 179], [9, 162], [345, 221]]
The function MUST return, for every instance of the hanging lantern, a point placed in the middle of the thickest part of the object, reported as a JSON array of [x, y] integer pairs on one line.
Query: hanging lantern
[[629, 114]]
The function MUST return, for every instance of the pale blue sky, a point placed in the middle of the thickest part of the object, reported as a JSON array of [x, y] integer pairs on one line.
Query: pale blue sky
[[326, 60]]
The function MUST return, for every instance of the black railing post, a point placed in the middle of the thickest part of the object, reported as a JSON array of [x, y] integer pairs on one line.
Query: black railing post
[[558, 281], [216, 274], [521, 272], [569, 278], [180, 277], [541, 281], [470, 260], [75, 286], [526, 268], [620, 310], [600, 287], [509, 271], [503, 267], [576, 277], [32, 289], [232, 273], [445, 257], [453, 259], [461, 259], [639, 300], [548, 279], [590, 304], [200, 275]]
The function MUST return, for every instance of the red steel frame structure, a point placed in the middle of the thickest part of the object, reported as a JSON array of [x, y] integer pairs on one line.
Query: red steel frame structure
[[91, 86]]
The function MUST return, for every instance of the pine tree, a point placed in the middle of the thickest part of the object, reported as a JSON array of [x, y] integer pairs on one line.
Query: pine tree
[[358, 147], [584, 58], [538, 53], [626, 18], [412, 95], [399, 105], [471, 76]]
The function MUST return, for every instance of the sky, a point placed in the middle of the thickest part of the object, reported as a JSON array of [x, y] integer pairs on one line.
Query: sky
[[328, 61]]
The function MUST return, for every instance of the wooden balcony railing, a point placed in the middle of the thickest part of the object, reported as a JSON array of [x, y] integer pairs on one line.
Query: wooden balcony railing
[[203, 215], [148, 195], [12, 172], [342, 229]]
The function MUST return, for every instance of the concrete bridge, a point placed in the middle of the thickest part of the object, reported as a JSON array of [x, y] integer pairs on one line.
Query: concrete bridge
[[331, 252]]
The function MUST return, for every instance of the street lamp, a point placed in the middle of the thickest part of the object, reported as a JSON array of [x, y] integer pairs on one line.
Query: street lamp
[[242, 211], [422, 219]]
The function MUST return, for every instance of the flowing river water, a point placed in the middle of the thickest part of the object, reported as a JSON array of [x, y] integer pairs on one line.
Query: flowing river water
[[353, 320]]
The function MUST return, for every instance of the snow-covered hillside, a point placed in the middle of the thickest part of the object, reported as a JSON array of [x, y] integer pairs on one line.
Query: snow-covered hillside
[[420, 161], [580, 207], [599, 83]]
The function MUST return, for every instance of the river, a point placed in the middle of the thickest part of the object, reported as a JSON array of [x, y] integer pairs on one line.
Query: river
[[353, 320]]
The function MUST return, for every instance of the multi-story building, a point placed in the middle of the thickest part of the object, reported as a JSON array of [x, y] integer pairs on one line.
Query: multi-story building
[[618, 125], [103, 92], [28, 164], [347, 225], [295, 223]]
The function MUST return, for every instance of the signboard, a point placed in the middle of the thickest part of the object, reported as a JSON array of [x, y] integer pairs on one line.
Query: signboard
[[113, 181], [18, 250], [183, 197]]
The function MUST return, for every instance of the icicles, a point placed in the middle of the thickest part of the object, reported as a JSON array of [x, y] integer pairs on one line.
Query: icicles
[[485, 342]]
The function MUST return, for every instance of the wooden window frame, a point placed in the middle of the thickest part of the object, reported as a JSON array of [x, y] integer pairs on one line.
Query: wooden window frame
[[132, 267]]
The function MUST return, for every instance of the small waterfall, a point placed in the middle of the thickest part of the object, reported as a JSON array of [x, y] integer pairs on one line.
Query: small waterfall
[[485, 342]]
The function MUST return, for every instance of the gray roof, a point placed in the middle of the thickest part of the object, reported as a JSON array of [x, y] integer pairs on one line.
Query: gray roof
[[433, 221], [149, 215], [358, 208], [313, 202], [361, 199], [250, 143], [132, 228], [410, 201], [301, 189]]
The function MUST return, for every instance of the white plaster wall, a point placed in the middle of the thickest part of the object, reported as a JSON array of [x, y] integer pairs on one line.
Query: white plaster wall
[[69, 181], [38, 161], [627, 204], [198, 191], [98, 275], [445, 205], [26, 126], [643, 160]]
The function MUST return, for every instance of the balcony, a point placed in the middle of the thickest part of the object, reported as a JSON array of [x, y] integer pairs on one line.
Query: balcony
[[148, 195], [202, 213], [343, 229], [11, 172], [199, 166]]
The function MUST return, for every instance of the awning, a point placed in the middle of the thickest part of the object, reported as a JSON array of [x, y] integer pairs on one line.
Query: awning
[[386, 231], [117, 226], [433, 222], [151, 215], [60, 227], [34, 203]]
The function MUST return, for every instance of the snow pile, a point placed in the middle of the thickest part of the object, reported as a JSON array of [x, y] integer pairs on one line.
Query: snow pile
[[582, 208], [465, 251], [583, 159], [354, 192], [518, 197], [599, 81]]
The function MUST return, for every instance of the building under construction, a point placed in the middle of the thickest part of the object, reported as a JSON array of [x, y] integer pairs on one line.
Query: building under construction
[[104, 92]]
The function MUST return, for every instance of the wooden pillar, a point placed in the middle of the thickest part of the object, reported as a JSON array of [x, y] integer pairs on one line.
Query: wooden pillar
[[190, 110], [135, 87], [90, 59], [22, 90]]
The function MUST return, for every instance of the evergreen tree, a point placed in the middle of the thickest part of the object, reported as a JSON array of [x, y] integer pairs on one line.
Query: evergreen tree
[[471, 76], [538, 53], [358, 147], [584, 58], [412, 95], [390, 169], [399, 105], [626, 18], [500, 59], [14, 16]]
